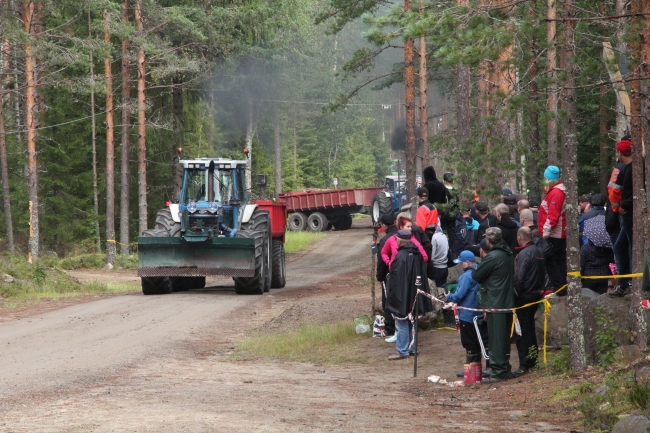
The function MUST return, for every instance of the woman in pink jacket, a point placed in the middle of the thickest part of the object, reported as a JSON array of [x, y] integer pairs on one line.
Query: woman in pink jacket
[[389, 251]]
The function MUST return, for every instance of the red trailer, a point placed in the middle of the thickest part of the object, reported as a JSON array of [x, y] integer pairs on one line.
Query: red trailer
[[319, 210]]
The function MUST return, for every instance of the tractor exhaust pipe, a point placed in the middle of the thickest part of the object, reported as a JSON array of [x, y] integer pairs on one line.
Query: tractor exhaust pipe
[[211, 182]]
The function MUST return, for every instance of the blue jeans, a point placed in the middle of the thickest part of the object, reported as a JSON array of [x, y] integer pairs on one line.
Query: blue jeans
[[404, 328], [623, 251]]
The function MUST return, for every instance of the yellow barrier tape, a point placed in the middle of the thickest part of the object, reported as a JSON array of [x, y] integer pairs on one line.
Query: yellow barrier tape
[[602, 277], [547, 312], [113, 241]]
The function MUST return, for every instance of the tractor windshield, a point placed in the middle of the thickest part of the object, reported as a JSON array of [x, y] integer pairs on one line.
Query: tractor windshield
[[197, 186]]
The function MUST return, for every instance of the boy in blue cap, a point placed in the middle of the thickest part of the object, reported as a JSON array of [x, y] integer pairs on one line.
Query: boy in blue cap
[[465, 296]]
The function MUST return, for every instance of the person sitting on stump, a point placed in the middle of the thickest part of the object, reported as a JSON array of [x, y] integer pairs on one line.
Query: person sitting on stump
[[465, 296], [408, 273], [495, 274]]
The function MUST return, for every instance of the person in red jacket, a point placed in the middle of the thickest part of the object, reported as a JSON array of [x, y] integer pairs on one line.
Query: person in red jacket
[[551, 224]]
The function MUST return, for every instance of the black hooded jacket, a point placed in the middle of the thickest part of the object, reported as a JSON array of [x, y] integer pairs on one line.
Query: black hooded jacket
[[509, 230], [406, 270], [438, 192], [382, 268]]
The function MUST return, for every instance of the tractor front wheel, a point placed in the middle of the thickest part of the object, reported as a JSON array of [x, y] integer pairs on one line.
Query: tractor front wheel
[[279, 275], [156, 285]]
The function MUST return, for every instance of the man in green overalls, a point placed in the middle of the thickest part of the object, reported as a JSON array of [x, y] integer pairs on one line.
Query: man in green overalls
[[495, 274]]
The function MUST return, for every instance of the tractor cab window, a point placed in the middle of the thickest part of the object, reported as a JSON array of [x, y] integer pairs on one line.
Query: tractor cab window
[[223, 186], [197, 186]]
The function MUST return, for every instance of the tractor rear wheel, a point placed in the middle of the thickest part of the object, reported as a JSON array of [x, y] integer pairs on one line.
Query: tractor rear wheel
[[257, 228], [297, 221], [344, 222], [381, 205], [279, 274], [316, 222]]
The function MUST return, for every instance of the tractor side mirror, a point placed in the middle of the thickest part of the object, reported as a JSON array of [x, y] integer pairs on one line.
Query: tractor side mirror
[[261, 183]]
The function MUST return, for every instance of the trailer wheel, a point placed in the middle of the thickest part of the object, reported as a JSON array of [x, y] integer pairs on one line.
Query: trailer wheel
[[343, 223], [316, 222], [279, 274], [297, 222], [258, 228], [381, 205]]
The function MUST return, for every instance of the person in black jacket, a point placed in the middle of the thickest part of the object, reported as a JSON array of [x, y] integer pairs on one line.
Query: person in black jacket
[[484, 217], [623, 245], [438, 192], [530, 274], [407, 274], [390, 229], [508, 227]]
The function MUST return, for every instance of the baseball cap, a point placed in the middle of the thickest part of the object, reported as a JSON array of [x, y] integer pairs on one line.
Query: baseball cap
[[484, 246], [624, 146], [465, 256]]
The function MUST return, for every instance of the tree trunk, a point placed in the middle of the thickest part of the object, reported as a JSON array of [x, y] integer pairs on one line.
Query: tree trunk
[[177, 109], [605, 150], [295, 151], [277, 145], [577, 359], [551, 103], [637, 319], [126, 140], [622, 115], [30, 106], [110, 153], [463, 108], [645, 111], [409, 104], [424, 111], [142, 143], [9, 230], [93, 126], [535, 148], [249, 144]]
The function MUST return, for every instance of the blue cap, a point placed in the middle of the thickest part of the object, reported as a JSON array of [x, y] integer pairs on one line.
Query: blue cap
[[552, 173], [465, 256]]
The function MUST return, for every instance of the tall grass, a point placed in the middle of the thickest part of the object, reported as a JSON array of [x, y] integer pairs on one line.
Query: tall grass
[[297, 241], [329, 343]]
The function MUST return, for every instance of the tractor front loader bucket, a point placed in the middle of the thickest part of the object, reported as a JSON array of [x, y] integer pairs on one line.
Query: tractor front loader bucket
[[174, 257]]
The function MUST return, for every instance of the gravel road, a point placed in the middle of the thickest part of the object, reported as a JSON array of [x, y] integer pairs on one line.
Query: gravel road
[[58, 348]]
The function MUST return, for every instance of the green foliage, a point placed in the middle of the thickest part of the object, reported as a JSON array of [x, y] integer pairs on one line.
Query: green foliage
[[606, 337], [559, 361]]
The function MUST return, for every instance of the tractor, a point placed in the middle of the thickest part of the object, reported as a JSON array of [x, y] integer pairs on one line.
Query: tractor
[[391, 200], [213, 230]]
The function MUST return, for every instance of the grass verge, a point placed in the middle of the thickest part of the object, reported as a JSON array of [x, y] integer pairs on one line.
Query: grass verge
[[298, 241], [329, 343], [95, 261], [40, 280]]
